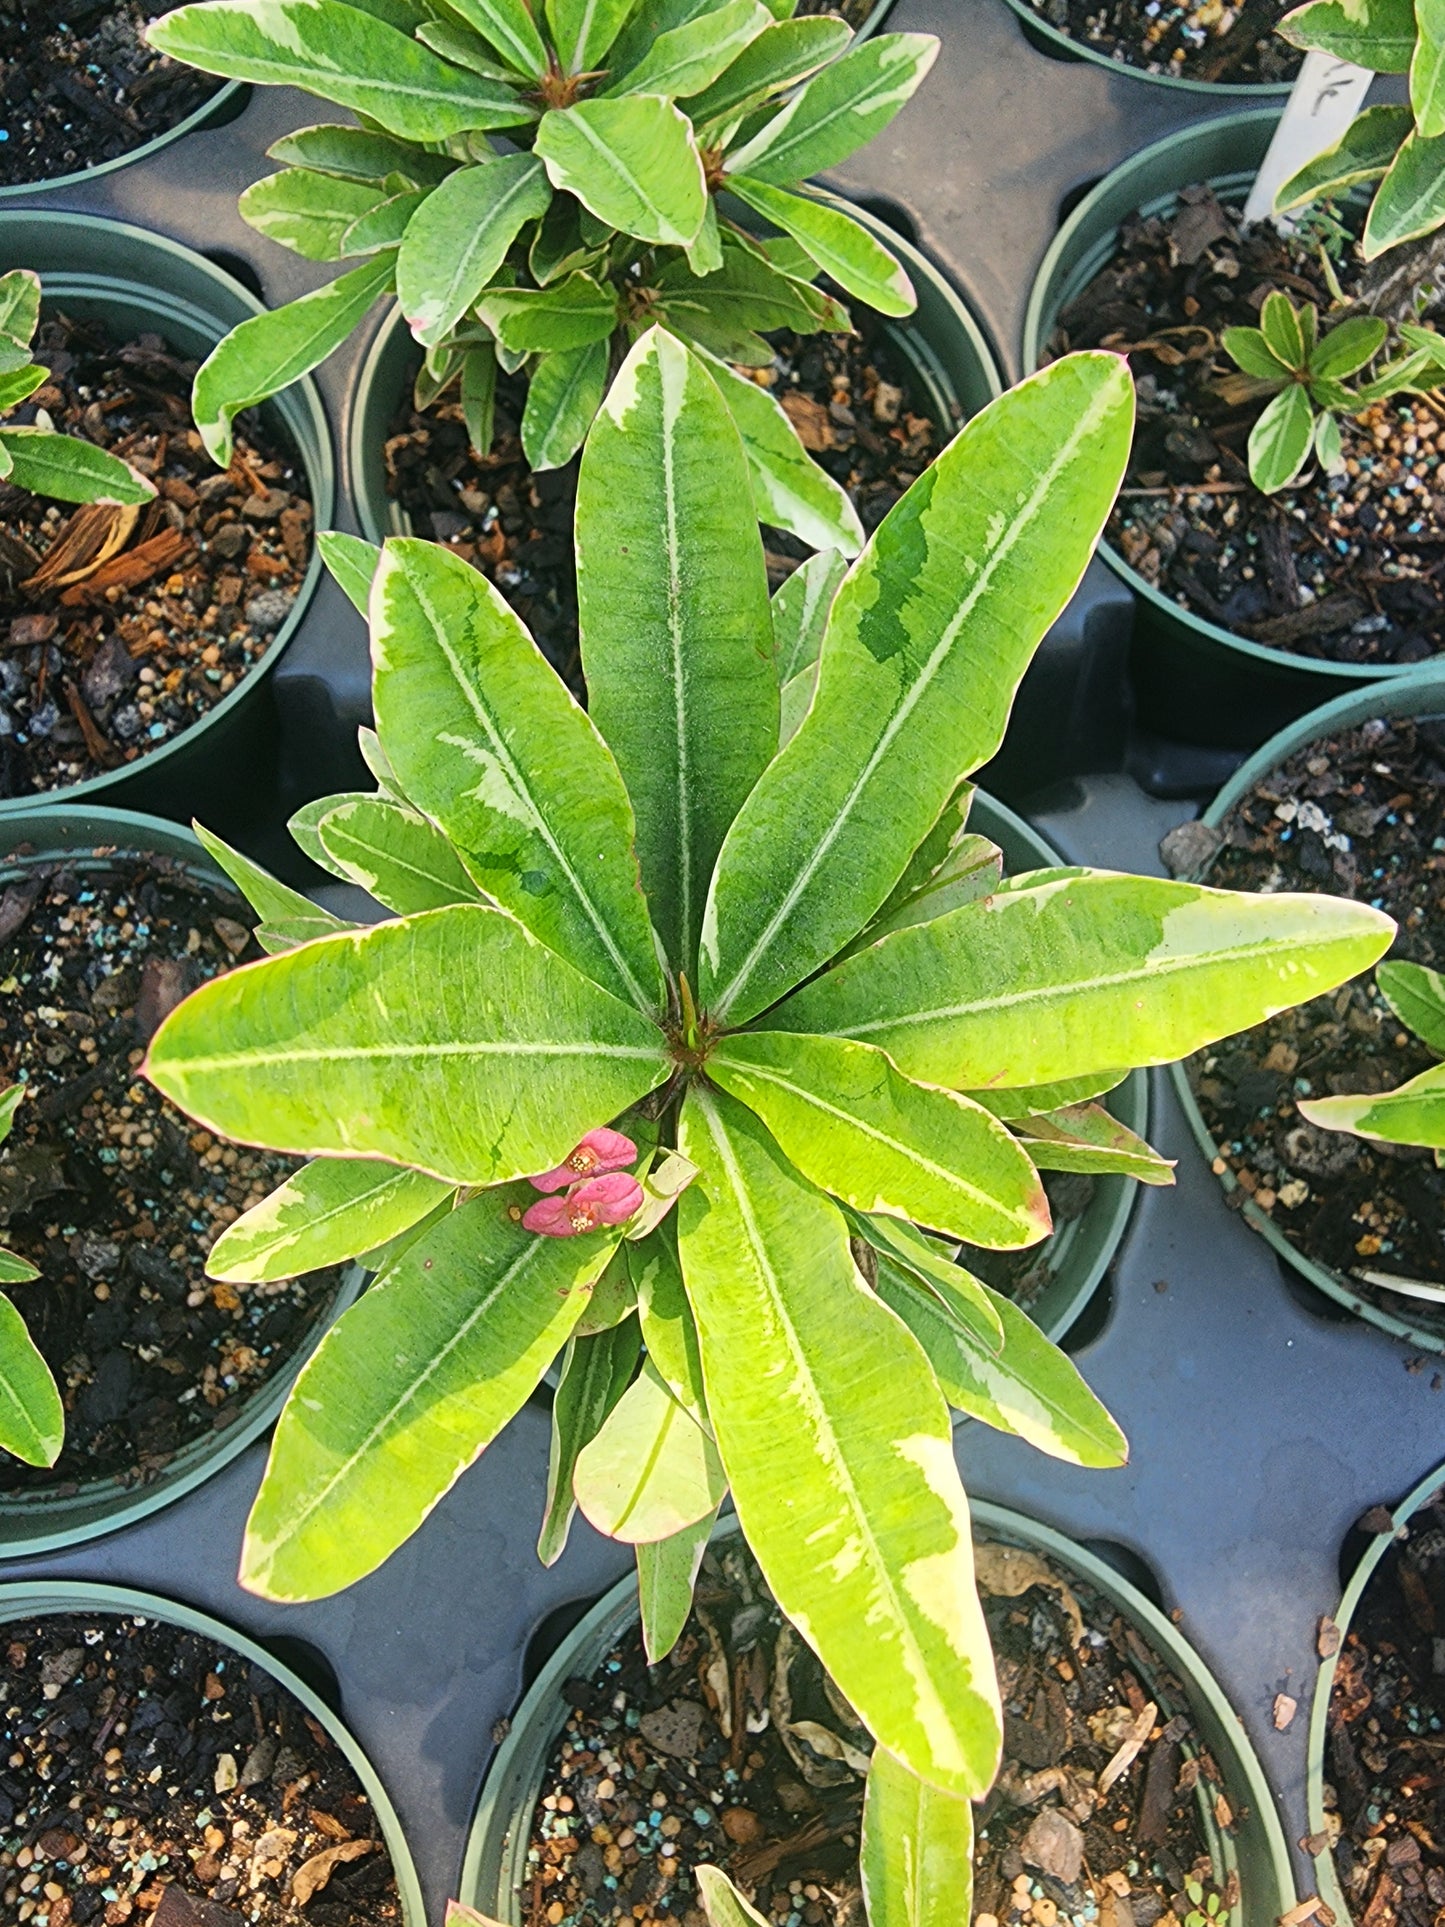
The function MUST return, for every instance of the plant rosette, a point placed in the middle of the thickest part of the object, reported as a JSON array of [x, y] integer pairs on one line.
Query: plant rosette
[[108, 917], [806, 1788], [150, 1675], [1391, 1591], [205, 575], [1270, 523], [1192, 46], [1338, 830]]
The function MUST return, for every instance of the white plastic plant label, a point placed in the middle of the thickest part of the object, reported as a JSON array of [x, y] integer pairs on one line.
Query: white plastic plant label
[[1325, 98]]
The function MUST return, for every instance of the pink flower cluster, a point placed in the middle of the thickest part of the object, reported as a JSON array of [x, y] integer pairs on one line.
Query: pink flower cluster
[[596, 1187]]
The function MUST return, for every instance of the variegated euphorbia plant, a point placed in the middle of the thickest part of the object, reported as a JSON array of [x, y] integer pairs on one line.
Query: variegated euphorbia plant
[[788, 973], [32, 1418], [1414, 1113], [597, 214]]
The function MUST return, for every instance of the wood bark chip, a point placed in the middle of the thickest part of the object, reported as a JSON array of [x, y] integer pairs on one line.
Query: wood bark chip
[[1130, 1749], [130, 570], [312, 1875], [93, 534]]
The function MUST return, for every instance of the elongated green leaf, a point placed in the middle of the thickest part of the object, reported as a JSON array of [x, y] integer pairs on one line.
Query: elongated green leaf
[[1410, 201], [855, 1127], [70, 470], [408, 1388], [1427, 69], [595, 1373], [265, 354], [917, 1853], [1379, 34], [749, 291], [673, 605], [962, 1296], [651, 1471], [972, 870], [839, 1455], [789, 489], [925, 646], [1280, 326], [1363, 153], [338, 53], [479, 389], [277, 904], [800, 612], [485, 738], [19, 383], [305, 211], [691, 57], [385, 225], [563, 396], [331, 1210], [584, 30], [572, 313], [722, 1903], [358, 154], [352, 562], [19, 316], [1036, 1100], [1066, 978], [839, 110], [32, 1419], [509, 26], [453, 1041], [1417, 997], [1086, 1137], [464, 48], [1279, 442], [1248, 347], [1414, 1114], [647, 21], [15, 1270], [861, 265], [1028, 1387], [1347, 347], [783, 53], [796, 700], [458, 239], [614, 1299], [667, 1571], [632, 162], [668, 1328], [10, 1101], [395, 853]]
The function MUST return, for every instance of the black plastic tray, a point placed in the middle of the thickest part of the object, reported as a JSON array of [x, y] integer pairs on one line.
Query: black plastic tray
[[1262, 1422]]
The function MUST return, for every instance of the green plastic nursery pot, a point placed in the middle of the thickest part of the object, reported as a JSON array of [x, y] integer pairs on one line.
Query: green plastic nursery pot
[[1195, 681], [223, 106], [44, 1598], [941, 341], [34, 1522], [492, 1873], [1061, 46], [1081, 1251], [139, 283], [1422, 696], [1326, 1879]]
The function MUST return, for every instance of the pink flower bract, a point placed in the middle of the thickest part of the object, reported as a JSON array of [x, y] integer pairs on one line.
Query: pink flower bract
[[601, 1150], [609, 1199]]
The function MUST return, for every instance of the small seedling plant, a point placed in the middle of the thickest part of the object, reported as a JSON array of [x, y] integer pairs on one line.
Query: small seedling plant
[[633, 136], [34, 456], [1310, 369], [1415, 1113], [1402, 147], [688, 1058], [32, 1419]]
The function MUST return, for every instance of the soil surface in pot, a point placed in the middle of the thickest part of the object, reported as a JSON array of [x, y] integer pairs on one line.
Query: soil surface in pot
[[1359, 815], [1384, 1804], [852, 398], [737, 1750], [1024, 1275], [154, 1776], [124, 625], [78, 86], [1343, 568], [1200, 40], [111, 1191]]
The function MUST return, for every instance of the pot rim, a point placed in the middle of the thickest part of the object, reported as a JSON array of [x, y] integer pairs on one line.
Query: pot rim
[[193, 123], [1179, 83]]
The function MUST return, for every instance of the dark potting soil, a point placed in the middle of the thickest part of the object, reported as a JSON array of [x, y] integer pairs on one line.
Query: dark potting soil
[[1384, 1794], [1360, 815], [110, 1191], [154, 1776], [852, 399], [737, 1750], [79, 86], [1344, 568], [1199, 40], [125, 625]]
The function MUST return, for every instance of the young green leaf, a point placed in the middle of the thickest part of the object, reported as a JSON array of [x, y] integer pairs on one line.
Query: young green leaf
[[405, 1041], [667, 1571], [1363, 153], [837, 111], [584, 30], [972, 870], [722, 1903], [927, 1261], [19, 383], [917, 1852], [668, 1327], [485, 738], [1417, 997], [10, 1102], [633, 162], [679, 667], [855, 1127], [1279, 442], [859, 264], [748, 292], [19, 316], [1347, 347], [15, 1270], [1379, 34], [358, 154], [305, 211], [408, 1388], [1065, 978], [352, 562], [839, 1456], [780, 56], [32, 1418], [1414, 1114], [1410, 201], [330, 1210], [478, 396], [70, 470], [1248, 347], [275, 903], [342, 54], [651, 1471], [572, 313], [464, 48], [385, 225], [563, 395], [395, 853], [1086, 1137], [596, 1371], [686, 59], [925, 646], [511, 29], [1280, 326], [800, 612], [267, 352], [457, 240], [789, 490], [1329, 447]]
